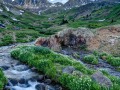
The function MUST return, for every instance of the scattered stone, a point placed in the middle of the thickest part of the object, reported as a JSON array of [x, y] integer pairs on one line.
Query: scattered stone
[[40, 78], [40, 87], [58, 87], [22, 81], [69, 69], [49, 88], [2, 26], [5, 67], [33, 79], [101, 79], [13, 81], [47, 81]]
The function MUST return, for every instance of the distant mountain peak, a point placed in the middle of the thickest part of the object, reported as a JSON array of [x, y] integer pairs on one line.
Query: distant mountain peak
[[42, 5]]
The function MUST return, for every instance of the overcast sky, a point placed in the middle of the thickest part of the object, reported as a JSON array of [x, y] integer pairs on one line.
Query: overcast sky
[[54, 1]]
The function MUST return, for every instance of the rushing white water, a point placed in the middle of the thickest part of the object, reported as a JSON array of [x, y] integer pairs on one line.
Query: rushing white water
[[32, 86], [21, 77]]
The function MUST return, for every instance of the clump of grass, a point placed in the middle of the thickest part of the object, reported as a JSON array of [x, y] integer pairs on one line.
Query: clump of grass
[[7, 39], [114, 61], [3, 80], [91, 59]]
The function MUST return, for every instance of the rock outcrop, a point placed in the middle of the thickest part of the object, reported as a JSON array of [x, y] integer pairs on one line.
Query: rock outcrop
[[69, 38], [106, 40]]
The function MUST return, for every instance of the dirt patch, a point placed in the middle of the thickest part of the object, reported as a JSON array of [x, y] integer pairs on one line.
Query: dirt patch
[[105, 39]]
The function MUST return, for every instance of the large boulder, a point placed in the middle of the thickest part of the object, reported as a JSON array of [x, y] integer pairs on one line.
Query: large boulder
[[101, 79], [68, 38]]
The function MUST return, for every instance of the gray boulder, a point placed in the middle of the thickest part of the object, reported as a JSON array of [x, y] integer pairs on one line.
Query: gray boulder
[[69, 69], [101, 79]]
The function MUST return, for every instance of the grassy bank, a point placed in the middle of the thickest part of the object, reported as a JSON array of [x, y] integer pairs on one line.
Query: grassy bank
[[112, 60], [54, 65], [3, 80]]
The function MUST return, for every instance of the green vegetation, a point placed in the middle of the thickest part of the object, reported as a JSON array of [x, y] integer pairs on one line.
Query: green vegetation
[[114, 61], [28, 26], [104, 16], [3, 80], [6, 40], [91, 59], [53, 64]]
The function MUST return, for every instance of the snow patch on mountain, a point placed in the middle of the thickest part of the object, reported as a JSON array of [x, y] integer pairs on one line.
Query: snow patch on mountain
[[61, 1]]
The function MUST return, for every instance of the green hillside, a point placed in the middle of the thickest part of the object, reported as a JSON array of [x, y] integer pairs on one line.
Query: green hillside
[[23, 28], [98, 18], [28, 26]]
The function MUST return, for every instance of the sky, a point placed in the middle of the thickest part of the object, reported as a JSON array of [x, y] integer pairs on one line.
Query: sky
[[62, 1]]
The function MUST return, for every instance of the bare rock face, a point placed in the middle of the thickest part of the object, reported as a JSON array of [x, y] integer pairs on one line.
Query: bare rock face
[[106, 40], [68, 38], [51, 42], [101, 79]]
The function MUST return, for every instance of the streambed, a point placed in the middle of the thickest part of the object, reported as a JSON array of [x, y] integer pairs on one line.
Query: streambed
[[22, 77]]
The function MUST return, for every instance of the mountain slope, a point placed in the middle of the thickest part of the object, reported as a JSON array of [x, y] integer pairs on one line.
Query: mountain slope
[[19, 25], [77, 3], [93, 16], [43, 5]]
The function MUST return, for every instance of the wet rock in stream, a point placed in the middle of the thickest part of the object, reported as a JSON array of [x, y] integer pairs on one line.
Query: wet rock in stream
[[5, 67]]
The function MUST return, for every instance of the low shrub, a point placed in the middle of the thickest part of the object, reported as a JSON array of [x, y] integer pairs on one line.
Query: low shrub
[[114, 61], [91, 59], [7, 39], [3, 80]]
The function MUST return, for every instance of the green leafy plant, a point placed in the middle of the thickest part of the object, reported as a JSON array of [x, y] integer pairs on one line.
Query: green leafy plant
[[114, 61], [90, 59], [3, 80]]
